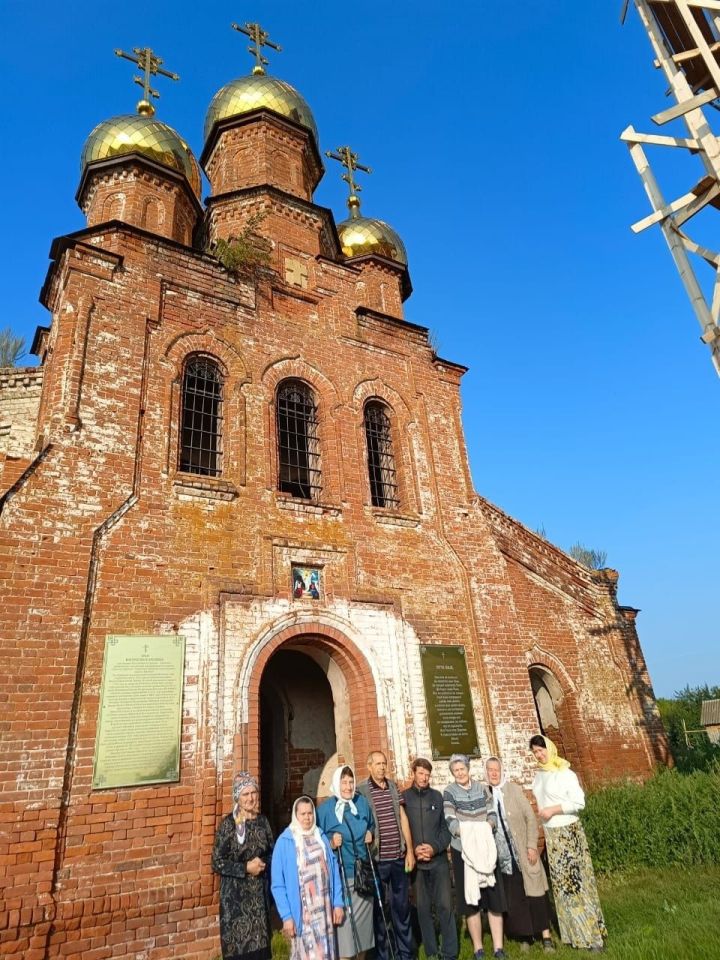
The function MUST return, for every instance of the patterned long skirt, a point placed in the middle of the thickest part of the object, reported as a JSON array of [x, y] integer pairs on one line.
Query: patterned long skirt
[[572, 876], [317, 937]]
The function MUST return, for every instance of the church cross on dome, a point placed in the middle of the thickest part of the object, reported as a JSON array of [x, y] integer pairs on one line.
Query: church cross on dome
[[260, 39], [150, 66], [349, 160]]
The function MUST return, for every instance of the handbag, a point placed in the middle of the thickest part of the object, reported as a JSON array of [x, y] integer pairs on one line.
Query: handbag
[[364, 882]]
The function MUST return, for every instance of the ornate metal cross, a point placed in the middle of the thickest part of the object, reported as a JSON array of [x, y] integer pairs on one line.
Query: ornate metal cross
[[150, 66], [260, 39], [349, 160]]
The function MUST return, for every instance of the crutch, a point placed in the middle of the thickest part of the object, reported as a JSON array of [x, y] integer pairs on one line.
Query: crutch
[[381, 903], [348, 901]]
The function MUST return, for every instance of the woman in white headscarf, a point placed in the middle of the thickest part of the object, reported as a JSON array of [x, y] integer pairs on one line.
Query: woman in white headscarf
[[306, 886], [523, 875], [348, 824], [241, 855]]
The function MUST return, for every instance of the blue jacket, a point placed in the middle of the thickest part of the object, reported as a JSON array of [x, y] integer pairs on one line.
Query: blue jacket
[[351, 828], [285, 883]]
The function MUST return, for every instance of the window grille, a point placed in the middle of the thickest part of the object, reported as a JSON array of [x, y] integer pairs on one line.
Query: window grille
[[298, 443], [202, 416], [381, 460]]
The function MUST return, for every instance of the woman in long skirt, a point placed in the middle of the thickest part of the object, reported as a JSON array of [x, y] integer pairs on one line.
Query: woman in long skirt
[[560, 798], [306, 886], [523, 875], [348, 824], [241, 855]]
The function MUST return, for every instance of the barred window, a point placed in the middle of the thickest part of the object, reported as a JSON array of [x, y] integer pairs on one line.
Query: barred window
[[298, 444], [202, 416], [381, 460]]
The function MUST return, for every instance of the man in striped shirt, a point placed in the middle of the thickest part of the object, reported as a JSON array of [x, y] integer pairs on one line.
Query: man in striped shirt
[[392, 848]]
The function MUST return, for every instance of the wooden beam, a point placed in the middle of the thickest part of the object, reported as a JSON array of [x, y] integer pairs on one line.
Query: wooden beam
[[706, 4], [712, 259], [685, 106], [683, 7], [630, 135], [688, 54], [689, 203]]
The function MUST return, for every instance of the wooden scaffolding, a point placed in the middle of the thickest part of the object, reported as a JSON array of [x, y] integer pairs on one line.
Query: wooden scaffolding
[[685, 36]]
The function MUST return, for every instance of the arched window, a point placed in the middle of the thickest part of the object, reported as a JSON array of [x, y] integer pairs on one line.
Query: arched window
[[548, 696], [202, 416], [298, 444], [381, 460]]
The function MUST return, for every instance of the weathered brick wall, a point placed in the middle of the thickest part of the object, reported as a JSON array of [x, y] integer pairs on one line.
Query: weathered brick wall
[[20, 389], [104, 535]]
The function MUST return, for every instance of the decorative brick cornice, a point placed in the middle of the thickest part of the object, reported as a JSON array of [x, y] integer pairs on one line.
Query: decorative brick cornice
[[14, 377]]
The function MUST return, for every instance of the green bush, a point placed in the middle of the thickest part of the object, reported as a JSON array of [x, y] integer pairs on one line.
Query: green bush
[[672, 820], [681, 713]]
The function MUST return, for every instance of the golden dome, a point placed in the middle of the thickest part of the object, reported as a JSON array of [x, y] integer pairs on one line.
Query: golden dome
[[255, 92], [362, 236], [136, 133]]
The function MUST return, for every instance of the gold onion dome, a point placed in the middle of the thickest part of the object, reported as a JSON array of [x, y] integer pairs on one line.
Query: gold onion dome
[[141, 133], [258, 91], [363, 236]]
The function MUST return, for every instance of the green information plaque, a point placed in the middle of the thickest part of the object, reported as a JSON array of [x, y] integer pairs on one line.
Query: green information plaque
[[140, 715], [449, 704]]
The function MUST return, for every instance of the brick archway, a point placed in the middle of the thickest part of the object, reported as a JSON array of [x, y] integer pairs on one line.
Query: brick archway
[[565, 728], [368, 728]]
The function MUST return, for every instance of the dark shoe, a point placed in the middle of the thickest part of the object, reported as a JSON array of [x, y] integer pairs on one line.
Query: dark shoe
[[548, 945], [480, 954], [500, 955]]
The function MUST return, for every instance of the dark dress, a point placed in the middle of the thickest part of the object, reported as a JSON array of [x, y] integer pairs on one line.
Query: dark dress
[[244, 900]]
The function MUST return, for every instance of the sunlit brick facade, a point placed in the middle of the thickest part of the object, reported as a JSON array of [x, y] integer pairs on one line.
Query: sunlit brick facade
[[102, 533]]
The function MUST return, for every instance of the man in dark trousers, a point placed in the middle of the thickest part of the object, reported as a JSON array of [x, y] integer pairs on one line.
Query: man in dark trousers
[[424, 809], [392, 849]]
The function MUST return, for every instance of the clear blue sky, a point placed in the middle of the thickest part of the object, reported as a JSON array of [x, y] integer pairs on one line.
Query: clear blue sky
[[492, 127]]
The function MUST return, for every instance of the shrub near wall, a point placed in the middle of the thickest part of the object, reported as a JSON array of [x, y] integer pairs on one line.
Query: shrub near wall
[[673, 819]]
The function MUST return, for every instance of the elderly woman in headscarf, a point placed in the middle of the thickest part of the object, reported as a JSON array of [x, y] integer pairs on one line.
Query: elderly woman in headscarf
[[471, 819], [348, 824], [523, 875], [559, 799], [306, 886], [241, 855]]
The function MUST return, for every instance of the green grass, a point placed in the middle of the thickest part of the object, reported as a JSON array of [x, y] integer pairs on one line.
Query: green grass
[[668, 914], [672, 819]]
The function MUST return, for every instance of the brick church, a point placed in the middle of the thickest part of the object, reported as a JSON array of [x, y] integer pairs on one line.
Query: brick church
[[236, 438]]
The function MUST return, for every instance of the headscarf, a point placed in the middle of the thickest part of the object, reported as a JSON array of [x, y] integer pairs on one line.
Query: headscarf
[[242, 781], [335, 791], [496, 788], [554, 761], [504, 839], [299, 835]]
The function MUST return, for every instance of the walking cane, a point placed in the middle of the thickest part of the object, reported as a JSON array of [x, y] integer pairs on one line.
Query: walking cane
[[348, 901], [381, 903]]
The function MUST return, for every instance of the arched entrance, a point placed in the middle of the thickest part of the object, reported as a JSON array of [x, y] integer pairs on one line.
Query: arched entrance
[[297, 732], [311, 705], [551, 709]]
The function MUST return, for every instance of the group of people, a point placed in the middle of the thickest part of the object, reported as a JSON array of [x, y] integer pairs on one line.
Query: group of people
[[340, 876]]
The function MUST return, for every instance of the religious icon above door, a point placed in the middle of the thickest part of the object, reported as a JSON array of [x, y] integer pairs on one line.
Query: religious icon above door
[[306, 583]]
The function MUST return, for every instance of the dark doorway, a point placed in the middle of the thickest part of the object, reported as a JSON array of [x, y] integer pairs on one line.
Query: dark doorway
[[297, 732]]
